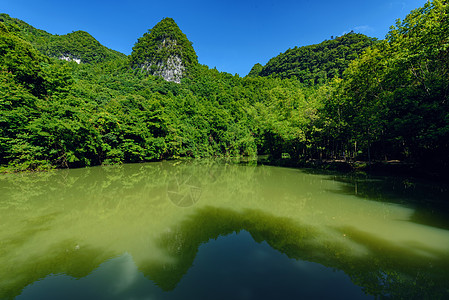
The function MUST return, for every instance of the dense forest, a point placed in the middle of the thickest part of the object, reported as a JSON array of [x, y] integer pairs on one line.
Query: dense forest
[[67, 101], [315, 64]]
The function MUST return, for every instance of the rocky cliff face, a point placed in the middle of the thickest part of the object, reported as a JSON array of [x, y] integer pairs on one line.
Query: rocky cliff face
[[68, 57], [171, 70], [164, 51]]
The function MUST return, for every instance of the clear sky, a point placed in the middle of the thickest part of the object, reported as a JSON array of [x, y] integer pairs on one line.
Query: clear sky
[[229, 35]]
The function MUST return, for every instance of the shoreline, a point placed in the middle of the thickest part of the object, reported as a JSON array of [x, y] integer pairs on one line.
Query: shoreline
[[384, 168], [381, 168]]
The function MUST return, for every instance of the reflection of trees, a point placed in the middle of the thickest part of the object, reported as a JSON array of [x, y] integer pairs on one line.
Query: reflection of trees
[[397, 271], [429, 199], [65, 257], [209, 223], [69, 221], [186, 181], [47, 216], [97, 208], [388, 270]]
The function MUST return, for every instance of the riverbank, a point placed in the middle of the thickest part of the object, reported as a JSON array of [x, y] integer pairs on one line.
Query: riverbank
[[384, 168], [390, 168]]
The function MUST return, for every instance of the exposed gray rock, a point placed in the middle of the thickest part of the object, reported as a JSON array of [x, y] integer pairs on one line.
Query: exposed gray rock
[[171, 70], [68, 57], [164, 51]]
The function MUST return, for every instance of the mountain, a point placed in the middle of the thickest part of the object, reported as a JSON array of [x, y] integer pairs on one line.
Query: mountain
[[164, 51], [390, 104], [77, 46], [316, 63], [80, 46]]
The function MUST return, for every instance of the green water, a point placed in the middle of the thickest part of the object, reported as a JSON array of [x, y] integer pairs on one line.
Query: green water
[[207, 230]]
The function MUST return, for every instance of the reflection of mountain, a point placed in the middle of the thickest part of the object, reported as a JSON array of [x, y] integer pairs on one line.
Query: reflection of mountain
[[65, 258], [385, 271], [70, 221], [210, 223]]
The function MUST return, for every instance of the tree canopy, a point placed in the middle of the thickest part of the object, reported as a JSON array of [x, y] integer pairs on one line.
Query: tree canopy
[[76, 45], [318, 63], [163, 41], [347, 98]]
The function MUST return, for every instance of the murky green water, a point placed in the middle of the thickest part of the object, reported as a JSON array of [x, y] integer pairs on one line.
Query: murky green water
[[206, 230]]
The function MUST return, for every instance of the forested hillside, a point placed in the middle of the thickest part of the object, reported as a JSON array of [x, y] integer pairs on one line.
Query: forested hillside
[[347, 98], [78, 45], [317, 64], [165, 51]]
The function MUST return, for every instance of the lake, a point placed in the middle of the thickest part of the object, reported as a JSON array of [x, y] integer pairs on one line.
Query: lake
[[216, 230]]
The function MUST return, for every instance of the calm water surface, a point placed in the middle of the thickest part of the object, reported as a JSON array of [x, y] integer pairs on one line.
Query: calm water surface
[[205, 230]]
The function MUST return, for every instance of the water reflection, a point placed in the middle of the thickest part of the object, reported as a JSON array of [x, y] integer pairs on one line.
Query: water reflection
[[185, 185], [160, 215], [245, 270], [429, 199]]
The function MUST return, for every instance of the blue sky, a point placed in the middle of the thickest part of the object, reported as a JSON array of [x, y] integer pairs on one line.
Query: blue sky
[[229, 35]]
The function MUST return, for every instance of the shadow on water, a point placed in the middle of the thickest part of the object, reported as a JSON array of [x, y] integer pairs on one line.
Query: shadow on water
[[429, 200]]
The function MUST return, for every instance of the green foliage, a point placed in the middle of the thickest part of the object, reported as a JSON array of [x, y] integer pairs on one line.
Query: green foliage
[[76, 45], [81, 45], [316, 64], [157, 45], [255, 71], [394, 99], [21, 59], [387, 101], [38, 38]]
